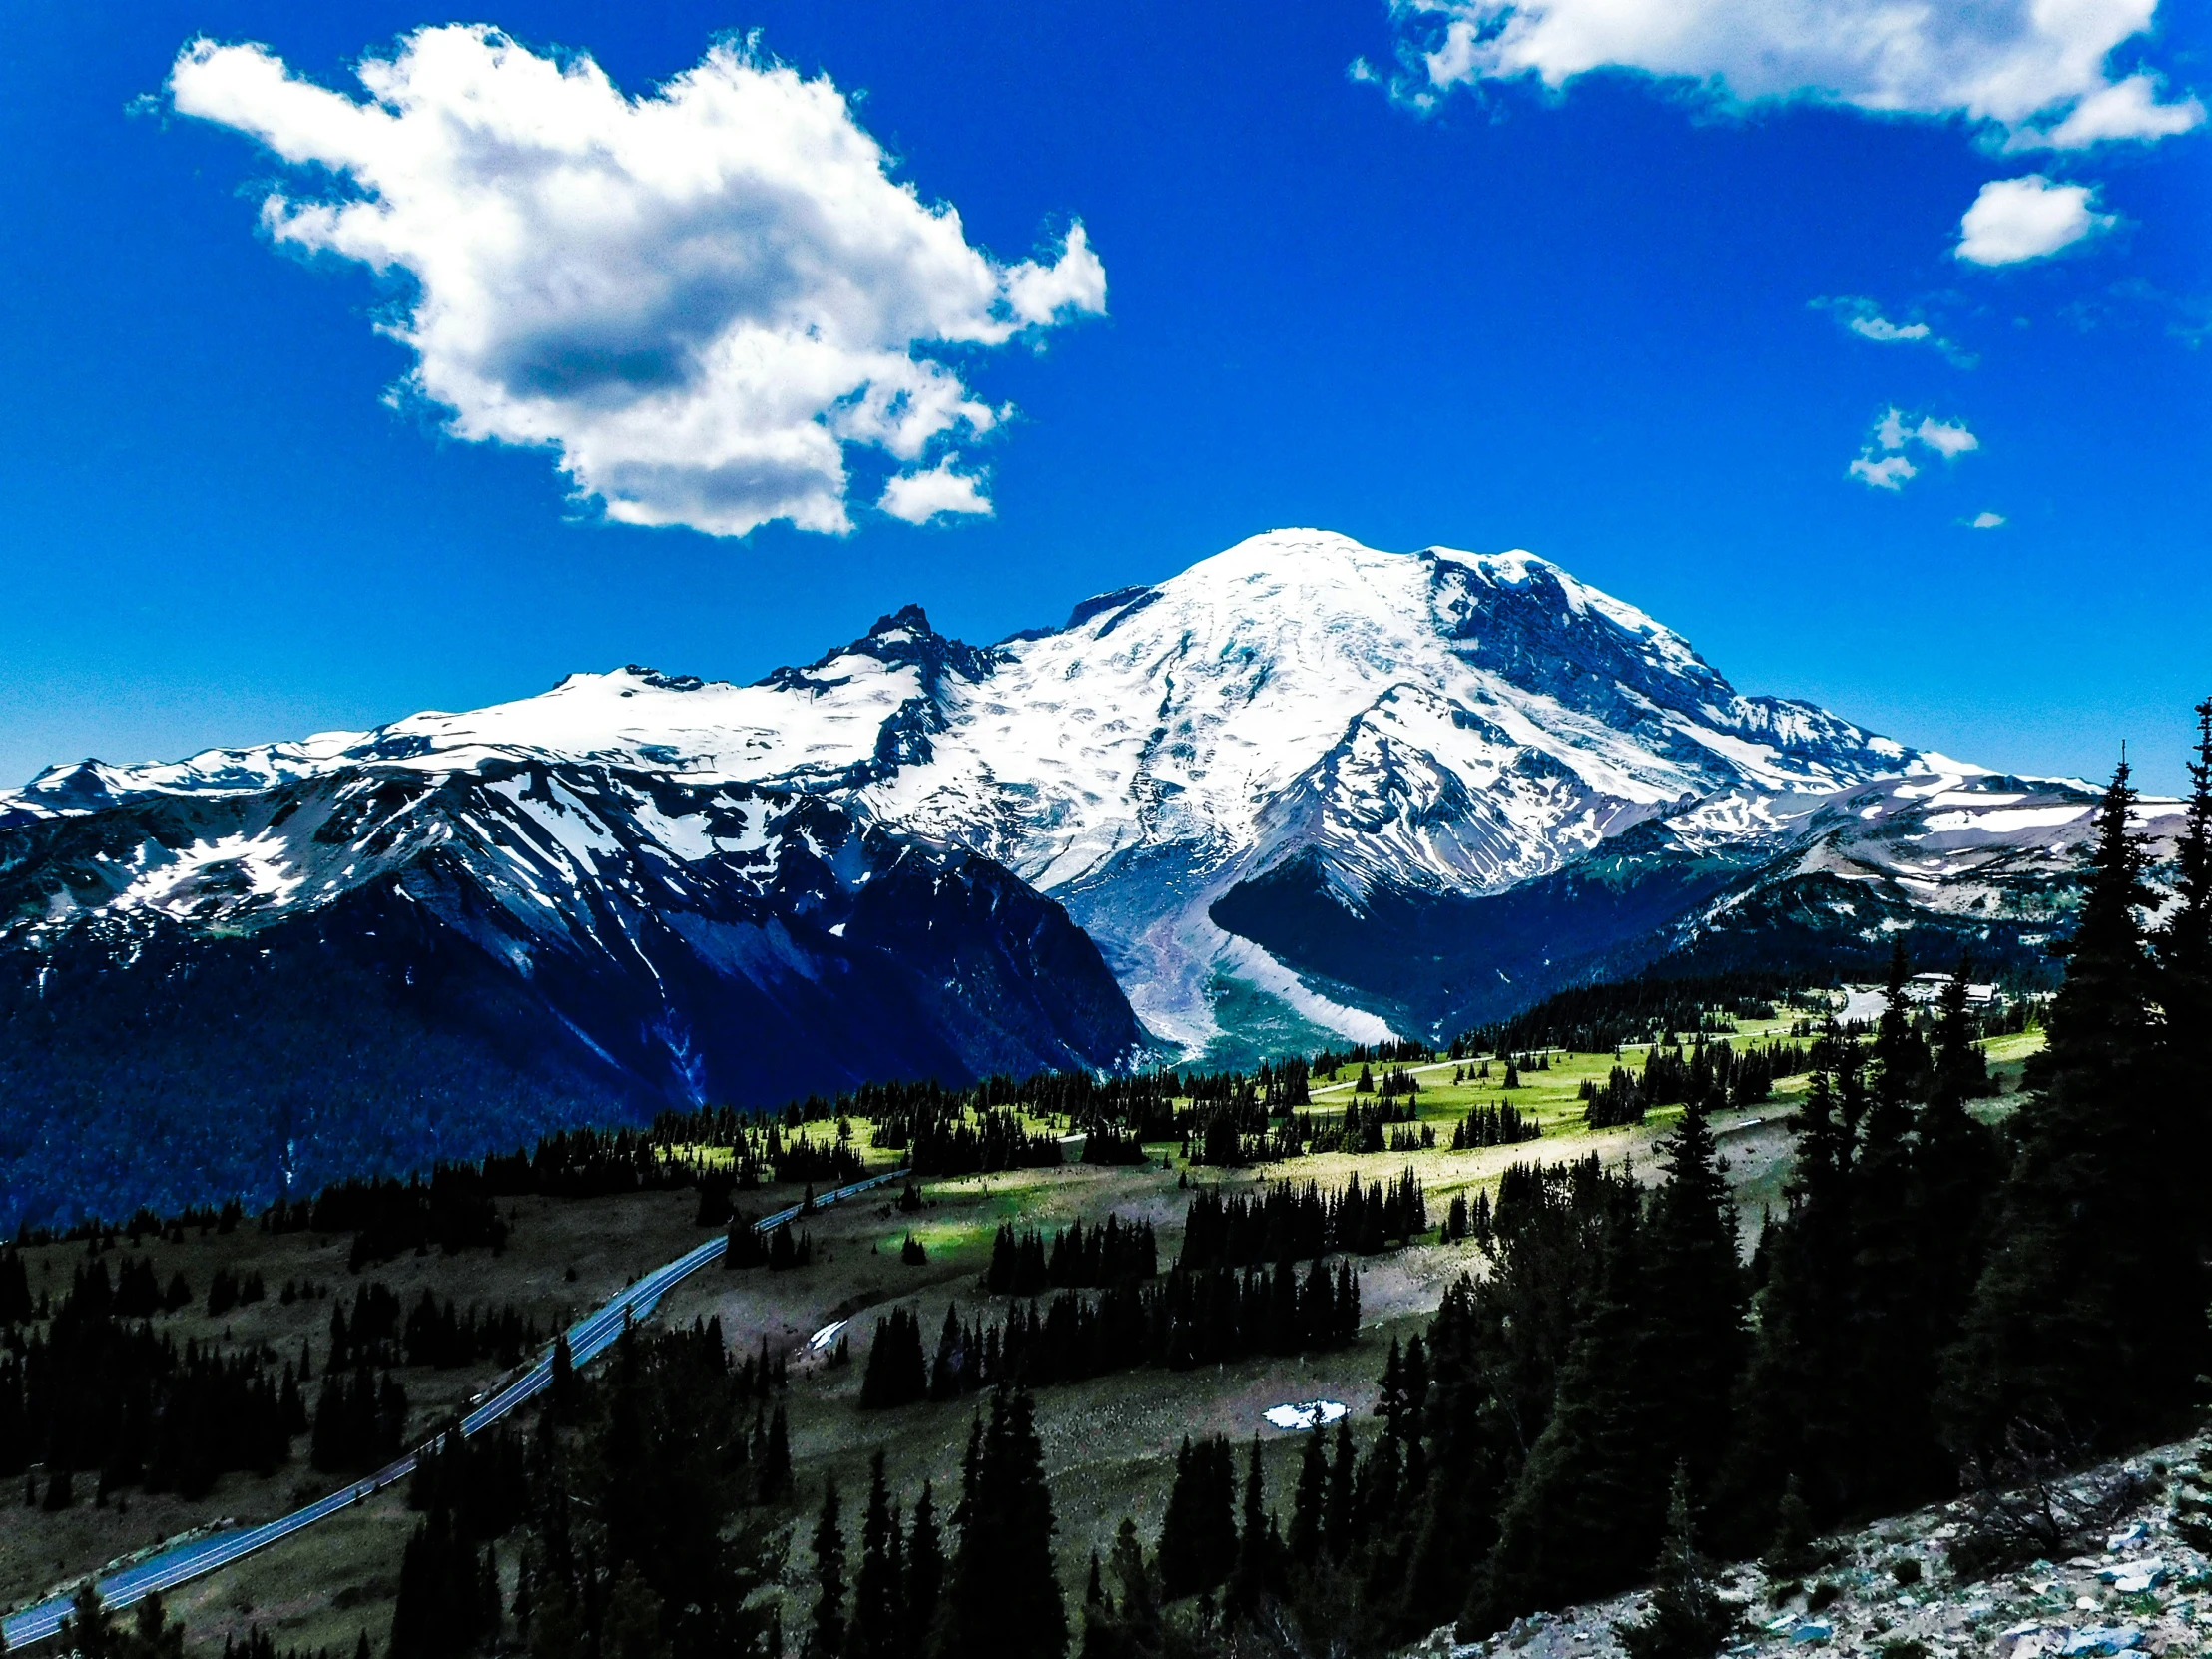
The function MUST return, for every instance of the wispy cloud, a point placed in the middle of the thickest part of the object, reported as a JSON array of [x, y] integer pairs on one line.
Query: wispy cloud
[[1883, 463], [1862, 317], [700, 298], [1987, 521]]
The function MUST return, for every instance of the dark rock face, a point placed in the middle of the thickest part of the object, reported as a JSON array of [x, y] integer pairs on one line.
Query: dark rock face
[[502, 951]]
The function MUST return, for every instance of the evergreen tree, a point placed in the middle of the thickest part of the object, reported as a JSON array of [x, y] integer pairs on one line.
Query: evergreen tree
[[1130, 1626], [1586, 1512], [1697, 1298], [2185, 943], [1307, 1508], [772, 1481], [2185, 993], [925, 1576], [1794, 1409], [2090, 1278], [1894, 1346], [879, 1625], [1688, 1618], [1197, 1532], [1002, 1595], [1339, 1516], [826, 1633], [1957, 1165], [1255, 1570]]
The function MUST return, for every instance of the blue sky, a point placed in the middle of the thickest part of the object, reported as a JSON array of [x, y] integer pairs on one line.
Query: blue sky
[[1605, 321]]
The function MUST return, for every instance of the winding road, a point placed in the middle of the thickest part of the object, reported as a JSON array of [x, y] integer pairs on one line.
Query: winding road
[[587, 1339]]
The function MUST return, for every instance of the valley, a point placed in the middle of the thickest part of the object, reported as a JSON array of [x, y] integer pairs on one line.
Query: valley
[[1104, 1439]]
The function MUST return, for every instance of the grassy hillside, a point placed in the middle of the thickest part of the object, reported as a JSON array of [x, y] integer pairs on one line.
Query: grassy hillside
[[1108, 1442]]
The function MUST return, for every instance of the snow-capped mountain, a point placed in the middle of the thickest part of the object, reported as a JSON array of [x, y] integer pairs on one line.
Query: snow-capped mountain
[[1302, 788]]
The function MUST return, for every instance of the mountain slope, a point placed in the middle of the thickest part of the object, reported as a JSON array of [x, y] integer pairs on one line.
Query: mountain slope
[[378, 963], [1304, 788]]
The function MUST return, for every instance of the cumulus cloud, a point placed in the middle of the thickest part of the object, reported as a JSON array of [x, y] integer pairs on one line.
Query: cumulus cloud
[[1883, 463], [698, 298], [918, 497], [2033, 71], [2012, 219], [1987, 521], [1864, 318]]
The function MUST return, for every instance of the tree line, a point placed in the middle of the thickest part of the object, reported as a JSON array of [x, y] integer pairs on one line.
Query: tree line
[[1183, 1319], [1293, 1223], [1105, 1253]]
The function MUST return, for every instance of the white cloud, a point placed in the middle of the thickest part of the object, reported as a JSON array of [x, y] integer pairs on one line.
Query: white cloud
[[1883, 463], [1884, 472], [1987, 521], [1949, 439], [2033, 70], [2026, 219], [698, 298], [1864, 319], [918, 497]]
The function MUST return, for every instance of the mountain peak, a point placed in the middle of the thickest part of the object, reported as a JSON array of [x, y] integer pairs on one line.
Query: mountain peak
[[911, 619]]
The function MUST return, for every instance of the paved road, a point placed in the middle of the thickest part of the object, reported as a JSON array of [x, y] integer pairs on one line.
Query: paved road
[[587, 1339]]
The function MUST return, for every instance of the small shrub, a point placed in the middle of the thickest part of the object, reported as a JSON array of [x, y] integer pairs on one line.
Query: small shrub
[[1823, 1595]]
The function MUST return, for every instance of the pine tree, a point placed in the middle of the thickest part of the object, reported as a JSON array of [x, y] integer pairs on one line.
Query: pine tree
[[1130, 1626], [826, 1633], [1892, 1347], [1586, 1512], [1697, 1299], [773, 1481], [1957, 1167], [2185, 943], [1339, 1514], [1197, 1532], [1309, 1505], [1794, 1410], [1254, 1573], [1688, 1617], [923, 1587], [2090, 1277], [1002, 1596], [878, 1626]]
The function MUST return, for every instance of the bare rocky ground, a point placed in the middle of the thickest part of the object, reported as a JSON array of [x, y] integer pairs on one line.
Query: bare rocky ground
[[2131, 1576]]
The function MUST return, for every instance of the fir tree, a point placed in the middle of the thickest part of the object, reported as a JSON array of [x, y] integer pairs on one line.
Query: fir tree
[[1688, 1617], [923, 1587], [1894, 1346], [1698, 1295], [1254, 1573], [1586, 1512], [825, 1632], [1794, 1407], [1003, 1594], [1307, 1507], [2089, 1277], [1197, 1532], [879, 1625]]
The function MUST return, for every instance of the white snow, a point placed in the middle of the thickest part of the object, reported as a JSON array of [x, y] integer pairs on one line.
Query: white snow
[[2007, 820], [1297, 690], [1306, 1415]]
